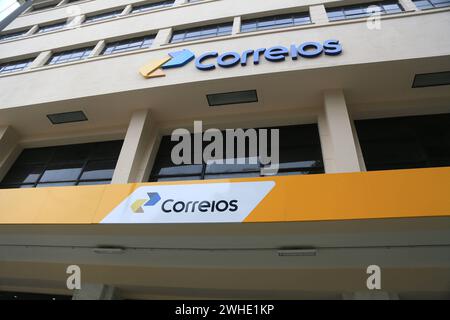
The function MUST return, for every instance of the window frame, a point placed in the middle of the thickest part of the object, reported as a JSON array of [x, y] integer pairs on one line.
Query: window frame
[[49, 161], [275, 18], [202, 174]]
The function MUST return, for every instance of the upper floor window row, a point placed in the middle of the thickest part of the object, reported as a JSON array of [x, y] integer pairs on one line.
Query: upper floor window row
[[273, 22], [89, 19], [15, 66], [82, 53], [363, 10], [137, 8], [203, 32], [431, 4]]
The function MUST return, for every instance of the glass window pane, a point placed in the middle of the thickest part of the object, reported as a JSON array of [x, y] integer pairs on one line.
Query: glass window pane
[[21, 174], [99, 170], [62, 172]]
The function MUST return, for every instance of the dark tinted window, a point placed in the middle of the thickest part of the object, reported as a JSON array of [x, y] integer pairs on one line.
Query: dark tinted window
[[405, 142], [81, 164], [300, 153]]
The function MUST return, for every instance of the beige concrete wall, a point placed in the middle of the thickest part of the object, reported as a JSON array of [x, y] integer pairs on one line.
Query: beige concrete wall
[[117, 73]]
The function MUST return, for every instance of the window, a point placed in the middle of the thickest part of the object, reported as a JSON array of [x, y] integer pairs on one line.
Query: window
[[273, 22], [52, 27], [15, 66], [405, 142], [430, 4], [202, 32], [128, 45], [71, 55], [361, 10], [81, 164], [44, 6], [300, 153], [103, 16], [152, 6], [13, 35]]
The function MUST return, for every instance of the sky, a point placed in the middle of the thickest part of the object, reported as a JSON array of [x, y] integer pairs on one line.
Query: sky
[[6, 7]]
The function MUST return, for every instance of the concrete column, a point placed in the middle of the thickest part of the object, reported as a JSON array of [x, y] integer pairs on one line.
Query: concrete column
[[370, 295], [98, 48], [75, 22], [236, 25], [127, 10], [32, 31], [362, 163], [337, 134], [134, 148], [163, 37], [94, 292], [318, 14], [408, 5], [179, 2], [9, 149], [41, 59]]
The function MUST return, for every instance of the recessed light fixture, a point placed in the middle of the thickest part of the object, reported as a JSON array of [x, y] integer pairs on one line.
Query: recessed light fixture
[[221, 99], [297, 252], [431, 79], [67, 117]]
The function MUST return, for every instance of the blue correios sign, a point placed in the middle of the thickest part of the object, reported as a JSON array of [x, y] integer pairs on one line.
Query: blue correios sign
[[273, 54], [213, 59]]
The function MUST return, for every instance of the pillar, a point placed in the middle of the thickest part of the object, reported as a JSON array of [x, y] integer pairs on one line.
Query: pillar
[[9, 149], [318, 14], [163, 37], [134, 155], [236, 25], [408, 5], [337, 136]]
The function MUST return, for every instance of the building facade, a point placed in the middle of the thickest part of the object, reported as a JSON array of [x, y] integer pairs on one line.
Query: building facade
[[359, 91]]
